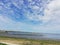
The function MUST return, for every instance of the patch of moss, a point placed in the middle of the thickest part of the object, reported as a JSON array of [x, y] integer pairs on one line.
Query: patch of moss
[[2, 44]]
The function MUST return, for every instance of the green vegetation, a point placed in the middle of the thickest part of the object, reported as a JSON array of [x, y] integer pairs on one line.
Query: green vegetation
[[22, 41], [2, 44]]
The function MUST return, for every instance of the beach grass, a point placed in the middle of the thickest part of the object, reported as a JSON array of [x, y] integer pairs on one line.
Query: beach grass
[[24, 41]]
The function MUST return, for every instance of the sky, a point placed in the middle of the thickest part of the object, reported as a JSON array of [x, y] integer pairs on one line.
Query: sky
[[41, 16]]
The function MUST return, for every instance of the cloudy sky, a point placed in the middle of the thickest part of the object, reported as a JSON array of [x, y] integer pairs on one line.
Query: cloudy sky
[[30, 15]]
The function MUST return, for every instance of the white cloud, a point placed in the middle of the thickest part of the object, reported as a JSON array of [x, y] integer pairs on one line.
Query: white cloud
[[8, 24], [38, 17], [5, 19], [52, 16], [53, 10], [51, 20]]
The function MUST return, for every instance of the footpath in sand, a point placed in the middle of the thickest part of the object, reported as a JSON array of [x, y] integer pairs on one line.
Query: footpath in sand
[[8, 43]]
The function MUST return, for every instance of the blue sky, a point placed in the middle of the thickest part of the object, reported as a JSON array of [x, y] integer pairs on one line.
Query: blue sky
[[30, 16]]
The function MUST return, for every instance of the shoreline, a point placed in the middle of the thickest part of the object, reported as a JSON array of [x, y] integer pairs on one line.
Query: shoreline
[[20, 41], [30, 35]]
